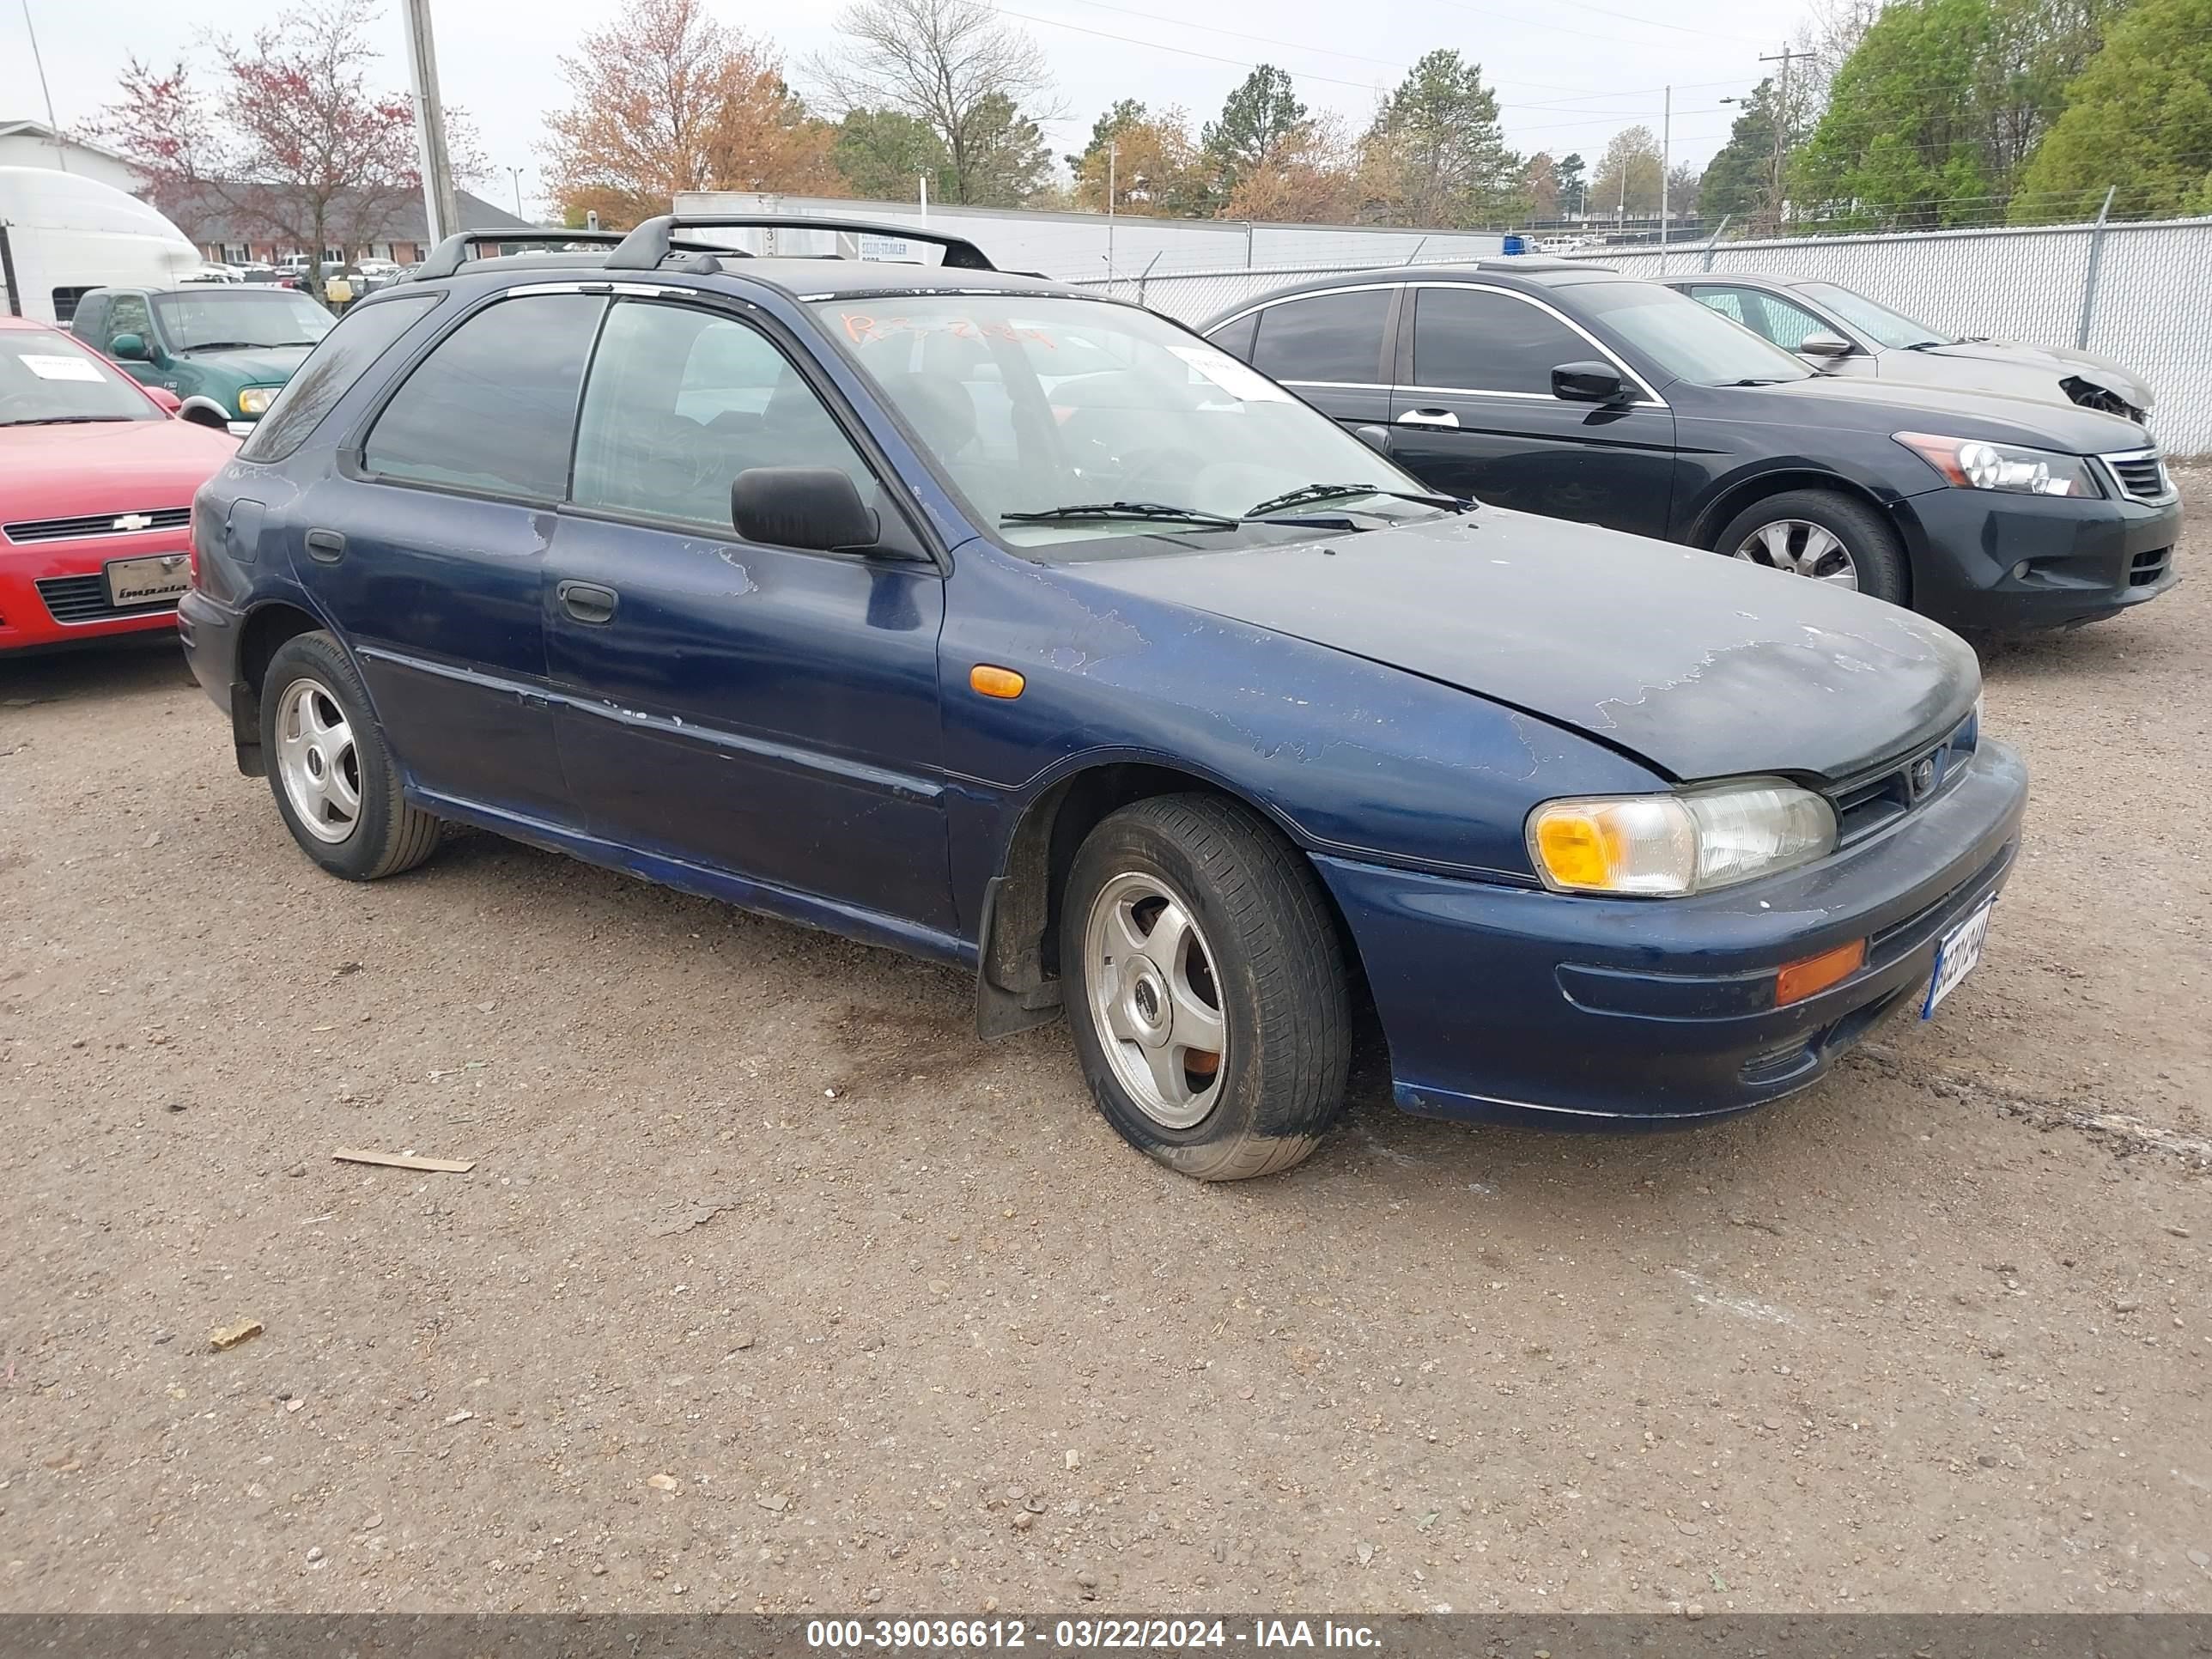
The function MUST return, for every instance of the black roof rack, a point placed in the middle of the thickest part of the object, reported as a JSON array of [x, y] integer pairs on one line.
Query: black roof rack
[[654, 239], [452, 252]]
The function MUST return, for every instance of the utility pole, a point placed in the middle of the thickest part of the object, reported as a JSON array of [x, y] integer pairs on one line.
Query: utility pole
[[441, 216], [1666, 162], [1112, 156], [1784, 116], [53, 127], [517, 172]]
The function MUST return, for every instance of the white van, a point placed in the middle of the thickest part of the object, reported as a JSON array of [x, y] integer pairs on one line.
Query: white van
[[62, 235]]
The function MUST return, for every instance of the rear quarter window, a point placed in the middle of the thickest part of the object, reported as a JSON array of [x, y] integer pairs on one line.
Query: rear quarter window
[[346, 353]]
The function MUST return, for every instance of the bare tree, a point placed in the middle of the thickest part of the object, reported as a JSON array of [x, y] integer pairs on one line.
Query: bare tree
[[954, 65]]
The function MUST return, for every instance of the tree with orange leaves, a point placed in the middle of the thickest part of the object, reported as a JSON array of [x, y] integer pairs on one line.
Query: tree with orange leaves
[[666, 99]]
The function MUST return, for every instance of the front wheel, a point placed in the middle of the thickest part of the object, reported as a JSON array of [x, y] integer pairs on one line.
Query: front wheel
[[1825, 535], [333, 776], [1206, 988]]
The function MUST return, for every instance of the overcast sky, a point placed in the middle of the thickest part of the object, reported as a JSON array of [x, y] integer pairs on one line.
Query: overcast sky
[[1569, 73]]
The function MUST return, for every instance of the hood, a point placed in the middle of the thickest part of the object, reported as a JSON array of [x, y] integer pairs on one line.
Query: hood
[[2039, 419], [253, 365], [106, 466], [2049, 364], [1698, 666]]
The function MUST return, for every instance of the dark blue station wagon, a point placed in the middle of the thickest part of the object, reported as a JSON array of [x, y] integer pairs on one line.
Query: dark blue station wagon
[[967, 614]]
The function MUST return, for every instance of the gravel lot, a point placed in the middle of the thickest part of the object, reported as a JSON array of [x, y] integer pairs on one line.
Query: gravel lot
[[773, 1288]]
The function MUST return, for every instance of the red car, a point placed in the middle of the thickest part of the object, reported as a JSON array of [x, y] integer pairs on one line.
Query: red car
[[96, 483]]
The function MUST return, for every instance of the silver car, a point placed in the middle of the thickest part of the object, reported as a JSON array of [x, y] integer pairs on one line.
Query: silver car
[[1843, 332]]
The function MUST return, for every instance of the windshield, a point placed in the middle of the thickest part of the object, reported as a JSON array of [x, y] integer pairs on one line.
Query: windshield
[[48, 378], [1689, 341], [1892, 328], [254, 317], [1032, 403]]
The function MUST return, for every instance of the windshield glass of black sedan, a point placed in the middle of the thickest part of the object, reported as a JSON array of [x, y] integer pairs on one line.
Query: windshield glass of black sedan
[[209, 319], [1687, 341], [48, 377], [1033, 402]]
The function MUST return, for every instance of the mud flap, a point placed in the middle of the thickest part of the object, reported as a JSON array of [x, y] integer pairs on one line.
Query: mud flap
[[1000, 1012], [245, 729]]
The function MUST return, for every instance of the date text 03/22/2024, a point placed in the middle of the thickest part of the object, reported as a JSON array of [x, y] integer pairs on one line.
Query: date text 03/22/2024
[[1076, 1635]]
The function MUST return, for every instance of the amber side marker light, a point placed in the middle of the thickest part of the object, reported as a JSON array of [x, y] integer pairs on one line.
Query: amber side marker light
[[1811, 975], [995, 682]]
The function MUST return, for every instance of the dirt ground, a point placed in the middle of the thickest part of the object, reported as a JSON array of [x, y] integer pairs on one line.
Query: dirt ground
[[772, 1287]]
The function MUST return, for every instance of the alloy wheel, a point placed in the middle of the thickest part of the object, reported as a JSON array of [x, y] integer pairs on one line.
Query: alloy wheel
[[1155, 1000], [317, 762]]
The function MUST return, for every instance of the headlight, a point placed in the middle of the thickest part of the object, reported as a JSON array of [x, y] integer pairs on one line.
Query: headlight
[[1665, 845], [255, 398], [1976, 463]]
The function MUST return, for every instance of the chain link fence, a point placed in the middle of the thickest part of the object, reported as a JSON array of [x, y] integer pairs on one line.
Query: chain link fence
[[2132, 291]]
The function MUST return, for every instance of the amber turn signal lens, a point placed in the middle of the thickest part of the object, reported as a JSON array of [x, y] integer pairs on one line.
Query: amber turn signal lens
[[995, 682], [1814, 975]]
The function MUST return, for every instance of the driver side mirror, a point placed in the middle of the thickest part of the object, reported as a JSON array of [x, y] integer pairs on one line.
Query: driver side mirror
[[1824, 345], [167, 398], [1376, 438], [1591, 382], [816, 508], [130, 349]]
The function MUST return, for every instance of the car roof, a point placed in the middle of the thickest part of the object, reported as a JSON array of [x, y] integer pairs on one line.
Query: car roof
[[27, 323], [1510, 270], [1742, 278]]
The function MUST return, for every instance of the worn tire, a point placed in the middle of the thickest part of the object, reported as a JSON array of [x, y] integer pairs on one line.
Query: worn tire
[[388, 835], [1875, 548], [1277, 968]]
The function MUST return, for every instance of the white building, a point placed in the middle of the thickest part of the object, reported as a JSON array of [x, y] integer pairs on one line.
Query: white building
[[34, 144]]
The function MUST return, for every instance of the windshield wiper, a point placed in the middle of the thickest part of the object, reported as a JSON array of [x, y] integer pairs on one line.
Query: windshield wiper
[[64, 420], [221, 345], [1752, 379], [279, 345], [1322, 492], [1159, 510]]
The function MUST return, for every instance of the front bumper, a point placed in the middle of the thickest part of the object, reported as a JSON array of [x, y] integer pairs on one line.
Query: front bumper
[[54, 595], [2086, 560], [1514, 1004]]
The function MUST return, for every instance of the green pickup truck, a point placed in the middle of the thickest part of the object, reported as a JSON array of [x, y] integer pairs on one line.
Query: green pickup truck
[[225, 349]]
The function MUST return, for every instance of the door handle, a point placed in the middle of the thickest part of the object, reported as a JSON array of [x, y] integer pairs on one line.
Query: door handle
[[1428, 417], [325, 546], [588, 602]]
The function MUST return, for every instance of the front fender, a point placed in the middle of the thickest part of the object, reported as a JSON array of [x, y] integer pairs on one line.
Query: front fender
[[1349, 757]]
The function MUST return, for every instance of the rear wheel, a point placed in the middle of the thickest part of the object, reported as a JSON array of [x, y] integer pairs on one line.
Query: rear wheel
[[1824, 534], [333, 777], [1205, 990]]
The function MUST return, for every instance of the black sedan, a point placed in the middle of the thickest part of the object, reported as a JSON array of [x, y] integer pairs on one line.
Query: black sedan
[[1565, 388], [1844, 332]]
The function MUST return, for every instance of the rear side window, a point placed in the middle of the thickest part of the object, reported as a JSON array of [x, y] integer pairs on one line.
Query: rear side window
[[492, 410], [1472, 340], [1330, 337], [1728, 301], [347, 352]]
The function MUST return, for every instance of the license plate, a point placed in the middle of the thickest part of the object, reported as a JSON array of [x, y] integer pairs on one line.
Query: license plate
[[147, 580], [1956, 956]]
